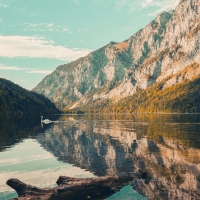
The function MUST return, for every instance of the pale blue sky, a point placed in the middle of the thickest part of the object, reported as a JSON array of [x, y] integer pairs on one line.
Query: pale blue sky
[[36, 36]]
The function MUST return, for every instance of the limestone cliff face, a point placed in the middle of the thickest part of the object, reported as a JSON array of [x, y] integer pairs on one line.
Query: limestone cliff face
[[163, 48]]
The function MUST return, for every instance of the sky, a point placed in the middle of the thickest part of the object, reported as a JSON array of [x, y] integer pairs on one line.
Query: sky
[[39, 35]]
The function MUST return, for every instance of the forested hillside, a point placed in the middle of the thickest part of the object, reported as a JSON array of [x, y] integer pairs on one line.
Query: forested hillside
[[18, 101], [180, 98]]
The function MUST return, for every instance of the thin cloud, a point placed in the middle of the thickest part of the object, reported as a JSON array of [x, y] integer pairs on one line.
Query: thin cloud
[[46, 72], [4, 5], [147, 3], [43, 27], [165, 6], [27, 70], [36, 47], [131, 5], [162, 5], [14, 68]]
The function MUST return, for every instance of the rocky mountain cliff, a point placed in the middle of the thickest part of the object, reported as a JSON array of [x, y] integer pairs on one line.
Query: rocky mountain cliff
[[164, 48]]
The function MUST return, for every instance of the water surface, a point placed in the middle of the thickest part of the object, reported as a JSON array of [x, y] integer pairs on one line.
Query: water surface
[[167, 147]]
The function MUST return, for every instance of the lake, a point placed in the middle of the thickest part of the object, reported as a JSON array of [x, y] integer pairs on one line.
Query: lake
[[167, 147]]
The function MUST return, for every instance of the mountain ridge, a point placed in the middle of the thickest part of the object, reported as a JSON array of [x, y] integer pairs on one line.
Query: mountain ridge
[[165, 47], [15, 100]]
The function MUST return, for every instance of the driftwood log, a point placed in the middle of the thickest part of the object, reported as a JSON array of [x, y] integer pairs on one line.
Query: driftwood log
[[74, 188]]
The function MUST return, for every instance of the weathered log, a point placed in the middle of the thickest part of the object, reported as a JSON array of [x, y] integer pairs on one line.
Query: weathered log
[[73, 188]]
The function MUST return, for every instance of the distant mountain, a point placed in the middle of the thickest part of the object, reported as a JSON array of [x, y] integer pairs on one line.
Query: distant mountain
[[16, 100], [162, 51]]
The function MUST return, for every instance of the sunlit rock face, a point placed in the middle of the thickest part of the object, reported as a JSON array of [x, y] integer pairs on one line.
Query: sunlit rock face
[[163, 48], [171, 159]]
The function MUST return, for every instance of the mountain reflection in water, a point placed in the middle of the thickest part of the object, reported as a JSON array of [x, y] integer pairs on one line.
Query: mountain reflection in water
[[165, 146]]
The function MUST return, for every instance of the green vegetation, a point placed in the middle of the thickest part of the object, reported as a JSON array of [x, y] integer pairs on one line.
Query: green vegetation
[[180, 98], [16, 100]]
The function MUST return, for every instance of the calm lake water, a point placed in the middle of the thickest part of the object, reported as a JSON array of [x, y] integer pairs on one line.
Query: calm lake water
[[167, 147]]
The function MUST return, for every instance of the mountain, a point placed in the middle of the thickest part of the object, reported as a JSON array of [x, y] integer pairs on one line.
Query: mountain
[[180, 98], [16, 100], [162, 51]]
